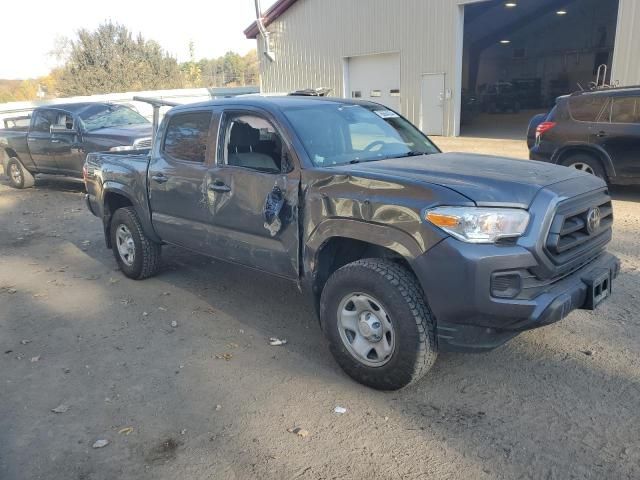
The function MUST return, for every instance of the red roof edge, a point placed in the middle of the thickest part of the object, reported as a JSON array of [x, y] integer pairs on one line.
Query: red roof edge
[[269, 16]]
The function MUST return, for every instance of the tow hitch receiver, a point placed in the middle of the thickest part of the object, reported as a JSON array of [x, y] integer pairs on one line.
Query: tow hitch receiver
[[598, 288]]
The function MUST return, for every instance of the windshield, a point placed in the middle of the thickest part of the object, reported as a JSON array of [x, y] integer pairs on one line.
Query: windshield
[[107, 116], [336, 134]]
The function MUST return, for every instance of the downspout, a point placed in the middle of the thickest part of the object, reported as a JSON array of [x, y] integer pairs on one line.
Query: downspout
[[265, 34]]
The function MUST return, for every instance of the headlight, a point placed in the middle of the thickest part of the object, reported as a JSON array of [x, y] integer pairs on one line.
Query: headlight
[[122, 148], [478, 224]]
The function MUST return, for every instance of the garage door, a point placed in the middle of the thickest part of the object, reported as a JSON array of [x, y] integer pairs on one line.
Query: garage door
[[375, 78]]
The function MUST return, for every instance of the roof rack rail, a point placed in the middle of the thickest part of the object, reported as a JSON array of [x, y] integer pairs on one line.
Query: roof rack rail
[[603, 88], [311, 92]]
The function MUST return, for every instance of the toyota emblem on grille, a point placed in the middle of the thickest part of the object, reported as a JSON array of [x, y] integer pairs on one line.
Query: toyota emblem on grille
[[593, 220]]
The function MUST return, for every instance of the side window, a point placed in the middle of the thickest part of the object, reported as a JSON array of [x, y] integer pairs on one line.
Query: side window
[[64, 119], [252, 142], [587, 108], [187, 136], [42, 120], [625, 110]]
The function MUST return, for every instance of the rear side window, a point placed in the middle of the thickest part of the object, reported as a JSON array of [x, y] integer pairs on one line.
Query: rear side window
[[625, 110], [587, 108], [187, 136]]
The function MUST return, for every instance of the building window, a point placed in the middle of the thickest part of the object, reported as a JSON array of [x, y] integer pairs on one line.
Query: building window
[[375, 93], [356, 94], [394, 92]]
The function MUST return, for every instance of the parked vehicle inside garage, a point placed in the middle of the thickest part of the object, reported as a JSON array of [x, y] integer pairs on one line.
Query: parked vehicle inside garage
[[594, 131], [404, 251], [59, 137], [500, 97]]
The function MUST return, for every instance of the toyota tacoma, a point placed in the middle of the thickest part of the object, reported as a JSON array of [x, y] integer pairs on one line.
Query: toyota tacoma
[[405, 251]]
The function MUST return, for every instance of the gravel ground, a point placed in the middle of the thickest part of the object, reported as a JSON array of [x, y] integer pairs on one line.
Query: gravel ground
[[210, 398]]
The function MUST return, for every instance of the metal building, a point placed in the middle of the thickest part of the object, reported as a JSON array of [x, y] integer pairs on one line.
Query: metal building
[[431, 59]]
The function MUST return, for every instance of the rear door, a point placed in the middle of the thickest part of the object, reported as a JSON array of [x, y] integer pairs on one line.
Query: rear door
[[618, 133], [253, 194], [176, 179], [39, 140]]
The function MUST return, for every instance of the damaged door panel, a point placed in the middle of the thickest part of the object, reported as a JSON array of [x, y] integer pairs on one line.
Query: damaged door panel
[[252, 193], [254, 222]]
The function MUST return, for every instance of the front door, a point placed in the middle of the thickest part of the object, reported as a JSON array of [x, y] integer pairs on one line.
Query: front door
[[432, 111], [618, 133], [253, 195], [67, 145], [177, 173], [39, 141]]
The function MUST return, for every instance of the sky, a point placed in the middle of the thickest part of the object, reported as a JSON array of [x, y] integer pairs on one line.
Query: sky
[[215, 27]]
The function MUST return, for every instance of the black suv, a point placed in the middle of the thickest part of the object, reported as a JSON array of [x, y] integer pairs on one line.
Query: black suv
[[595, 131]]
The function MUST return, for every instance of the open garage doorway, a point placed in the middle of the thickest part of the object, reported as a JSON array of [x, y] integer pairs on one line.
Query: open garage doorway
[[519, 55]]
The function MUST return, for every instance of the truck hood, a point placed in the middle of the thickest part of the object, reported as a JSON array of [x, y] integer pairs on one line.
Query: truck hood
[[484, 179], [124, 132]]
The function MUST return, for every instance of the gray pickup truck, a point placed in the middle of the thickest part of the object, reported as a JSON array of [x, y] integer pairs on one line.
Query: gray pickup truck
[[405, 251], [58, 137]]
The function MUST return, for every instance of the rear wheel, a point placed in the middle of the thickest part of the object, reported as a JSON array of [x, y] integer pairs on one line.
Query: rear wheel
[[19, 177], [585, 163], [379, 326], [138, 256]]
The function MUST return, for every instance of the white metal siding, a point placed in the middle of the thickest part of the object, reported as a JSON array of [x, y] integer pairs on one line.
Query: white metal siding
[[626, 54], [312, 38]]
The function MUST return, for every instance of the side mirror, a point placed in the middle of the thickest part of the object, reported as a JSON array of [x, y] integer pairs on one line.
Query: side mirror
[[61, 129]]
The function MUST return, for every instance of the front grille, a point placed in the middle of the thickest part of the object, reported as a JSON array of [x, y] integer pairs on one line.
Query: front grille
[[142, 143], [574, 235]]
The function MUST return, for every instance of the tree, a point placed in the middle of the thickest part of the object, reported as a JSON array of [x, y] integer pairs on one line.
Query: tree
[[110, 60], [192, 69], [229, 70]]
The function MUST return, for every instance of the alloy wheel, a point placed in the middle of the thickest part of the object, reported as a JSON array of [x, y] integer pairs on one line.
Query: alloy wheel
[[125, 244]]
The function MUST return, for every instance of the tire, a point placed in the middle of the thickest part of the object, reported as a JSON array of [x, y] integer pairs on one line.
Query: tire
[[586, 163], [142, 259], [19, 177], [411, 342]]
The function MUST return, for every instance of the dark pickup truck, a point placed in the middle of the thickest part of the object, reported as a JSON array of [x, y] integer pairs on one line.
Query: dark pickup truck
[[59, 137], [405, 251]]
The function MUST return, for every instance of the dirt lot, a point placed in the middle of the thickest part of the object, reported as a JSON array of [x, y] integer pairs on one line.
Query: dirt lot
[[561, 402]]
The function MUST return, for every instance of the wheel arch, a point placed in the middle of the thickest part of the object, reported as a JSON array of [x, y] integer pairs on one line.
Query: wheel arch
[[118, 196], [597, 152], [336, 243]]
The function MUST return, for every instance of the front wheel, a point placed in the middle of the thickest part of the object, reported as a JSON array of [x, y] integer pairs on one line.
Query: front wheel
[[380, 329], [138, 256], [19, 177]]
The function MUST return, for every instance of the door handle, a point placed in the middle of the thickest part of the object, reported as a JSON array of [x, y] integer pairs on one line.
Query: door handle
[[219, 186], [55, 140], [159, 178], [601, 134]]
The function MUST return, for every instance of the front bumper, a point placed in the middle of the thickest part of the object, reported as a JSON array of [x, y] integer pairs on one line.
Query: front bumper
[[456, 278]]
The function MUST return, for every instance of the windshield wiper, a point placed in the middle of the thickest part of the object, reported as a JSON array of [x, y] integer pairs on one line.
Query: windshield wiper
[[410, 153]]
